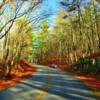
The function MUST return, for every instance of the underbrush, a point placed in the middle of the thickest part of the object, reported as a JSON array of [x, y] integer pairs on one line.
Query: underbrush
[[87, 66]]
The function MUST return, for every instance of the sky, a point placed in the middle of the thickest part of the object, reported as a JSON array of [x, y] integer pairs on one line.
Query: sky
[[52, 7], [48, 6]]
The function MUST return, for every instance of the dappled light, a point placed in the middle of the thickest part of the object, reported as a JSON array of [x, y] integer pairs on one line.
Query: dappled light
[[49, 50], [17, 76], [66, 87]]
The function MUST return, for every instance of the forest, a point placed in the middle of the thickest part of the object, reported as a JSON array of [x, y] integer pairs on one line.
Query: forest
[[50, 43], [72, 40]]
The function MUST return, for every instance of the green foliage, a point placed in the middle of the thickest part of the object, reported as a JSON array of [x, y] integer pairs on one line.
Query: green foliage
[[87, 66], [40, 41]]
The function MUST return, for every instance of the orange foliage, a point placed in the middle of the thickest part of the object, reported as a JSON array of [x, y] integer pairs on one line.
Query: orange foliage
[[89, 80], [17, 76]]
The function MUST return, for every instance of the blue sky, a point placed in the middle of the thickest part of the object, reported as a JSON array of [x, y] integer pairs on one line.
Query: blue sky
[[52, 7], [49, 6]]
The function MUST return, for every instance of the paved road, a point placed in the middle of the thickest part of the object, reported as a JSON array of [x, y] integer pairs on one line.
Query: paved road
[[49, 84]]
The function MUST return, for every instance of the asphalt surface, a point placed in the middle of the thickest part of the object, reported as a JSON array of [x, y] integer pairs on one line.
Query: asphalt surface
[[49, 84]]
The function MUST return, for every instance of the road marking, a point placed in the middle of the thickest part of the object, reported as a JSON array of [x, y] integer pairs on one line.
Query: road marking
[[40, 95]]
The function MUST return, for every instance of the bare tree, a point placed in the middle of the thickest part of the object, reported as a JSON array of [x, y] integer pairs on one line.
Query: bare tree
[[14, 14]]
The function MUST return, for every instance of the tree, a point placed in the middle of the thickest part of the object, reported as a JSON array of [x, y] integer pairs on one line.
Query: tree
[[41, 41], [14, 13], [17, 46]]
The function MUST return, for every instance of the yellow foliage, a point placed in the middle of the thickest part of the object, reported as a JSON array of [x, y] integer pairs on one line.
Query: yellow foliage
[[62, 14]]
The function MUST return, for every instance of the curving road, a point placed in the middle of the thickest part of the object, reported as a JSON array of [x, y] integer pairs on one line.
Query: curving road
[[49, 84]]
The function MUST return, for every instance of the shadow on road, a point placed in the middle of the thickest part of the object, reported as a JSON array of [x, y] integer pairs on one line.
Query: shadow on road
[[52, 82]]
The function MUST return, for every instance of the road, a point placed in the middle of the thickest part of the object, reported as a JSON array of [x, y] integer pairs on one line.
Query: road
[[49, 84]]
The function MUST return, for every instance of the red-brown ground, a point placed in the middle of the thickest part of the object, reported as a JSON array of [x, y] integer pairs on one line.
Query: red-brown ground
[[17, 76], [62, 65], [29, 70], [91, 81]]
